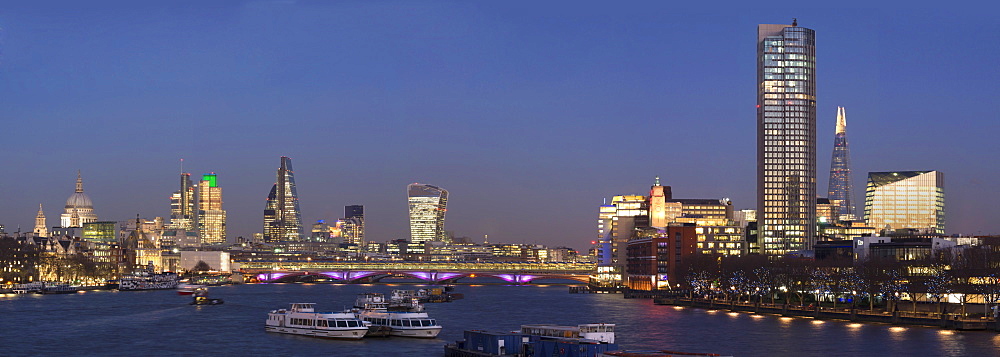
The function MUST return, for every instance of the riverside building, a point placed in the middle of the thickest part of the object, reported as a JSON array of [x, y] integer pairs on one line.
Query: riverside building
[[906, 200], [786, 138]]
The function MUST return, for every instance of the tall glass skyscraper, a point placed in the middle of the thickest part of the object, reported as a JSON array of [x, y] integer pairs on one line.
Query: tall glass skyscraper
[[786, 138], [841, 190], [905, 199], [282, 217], [428, 205], [211, 216], [182, 205]]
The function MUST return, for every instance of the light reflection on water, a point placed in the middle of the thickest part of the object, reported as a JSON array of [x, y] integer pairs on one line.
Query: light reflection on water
[[75, 323]]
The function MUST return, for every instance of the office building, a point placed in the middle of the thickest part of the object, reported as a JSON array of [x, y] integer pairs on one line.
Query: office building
[[282, 217], [428, 205], [786, 138], [101, 232], [841, 190], [182, 205], [906, 200], [354, 224], [79, 208], [211, 216]]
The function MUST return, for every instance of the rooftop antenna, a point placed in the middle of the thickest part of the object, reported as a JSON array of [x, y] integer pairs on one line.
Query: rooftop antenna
[[182, 165], [795, 21]]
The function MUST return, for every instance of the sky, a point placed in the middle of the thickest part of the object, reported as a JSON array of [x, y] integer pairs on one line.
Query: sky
[[529, 114]]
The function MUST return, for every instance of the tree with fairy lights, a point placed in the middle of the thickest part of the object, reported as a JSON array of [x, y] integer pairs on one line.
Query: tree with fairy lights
[[939, 285]]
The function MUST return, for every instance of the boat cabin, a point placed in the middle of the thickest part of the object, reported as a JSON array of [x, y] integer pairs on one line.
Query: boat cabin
[[605, 333], [303, 307]]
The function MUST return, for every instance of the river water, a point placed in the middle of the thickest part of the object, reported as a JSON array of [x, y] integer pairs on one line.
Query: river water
[[159, 323]]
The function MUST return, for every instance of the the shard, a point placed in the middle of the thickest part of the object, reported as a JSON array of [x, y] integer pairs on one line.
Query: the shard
[[841, 189]]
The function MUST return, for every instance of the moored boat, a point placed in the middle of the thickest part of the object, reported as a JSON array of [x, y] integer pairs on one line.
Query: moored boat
[[604, 333], [402, 324], [147, 281], [302, 319]]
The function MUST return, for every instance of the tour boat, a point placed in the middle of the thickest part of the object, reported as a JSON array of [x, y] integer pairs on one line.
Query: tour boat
[[302, 319], [147, 281], [188, 289], [604, 333], [402, 324]]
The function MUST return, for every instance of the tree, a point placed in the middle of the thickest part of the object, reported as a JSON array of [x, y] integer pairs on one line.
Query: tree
[[939, 285], [201, 267]]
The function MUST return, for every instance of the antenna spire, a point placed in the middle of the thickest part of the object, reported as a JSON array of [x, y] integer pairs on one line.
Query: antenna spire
[[795, 21]]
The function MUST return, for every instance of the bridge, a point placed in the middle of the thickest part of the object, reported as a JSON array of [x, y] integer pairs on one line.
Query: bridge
[[432, 272]]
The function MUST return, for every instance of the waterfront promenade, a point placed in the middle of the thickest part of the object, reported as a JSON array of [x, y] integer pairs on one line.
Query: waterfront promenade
[[848, 313]]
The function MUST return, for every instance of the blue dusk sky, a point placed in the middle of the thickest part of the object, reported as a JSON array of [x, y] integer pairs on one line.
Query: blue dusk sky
[[528, 113]]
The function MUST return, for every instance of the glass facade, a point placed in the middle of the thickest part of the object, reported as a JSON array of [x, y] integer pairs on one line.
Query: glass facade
[[101, 232], [211, 216], [182, 205], [786, 138], [282, 217], [354, 217], [841, 190], [428, 205], [906, 199]]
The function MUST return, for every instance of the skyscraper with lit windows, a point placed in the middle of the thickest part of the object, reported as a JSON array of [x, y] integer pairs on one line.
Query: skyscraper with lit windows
[[786, 137], [905, 200], [182, 205], [282, 217], [841, 189], [428, 205], [211, 216]]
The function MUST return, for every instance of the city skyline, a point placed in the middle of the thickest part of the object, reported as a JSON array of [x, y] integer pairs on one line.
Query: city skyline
[[526, 142]]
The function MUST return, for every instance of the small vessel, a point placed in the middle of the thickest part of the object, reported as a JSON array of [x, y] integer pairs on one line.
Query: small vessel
[[371, 301], [302, 319], [377, 302], [188, 289], [59, 289], [201, 297], [402, 324], [603, 333]]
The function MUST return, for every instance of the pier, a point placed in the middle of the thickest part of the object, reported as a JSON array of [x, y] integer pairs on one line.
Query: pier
[[946, 321]]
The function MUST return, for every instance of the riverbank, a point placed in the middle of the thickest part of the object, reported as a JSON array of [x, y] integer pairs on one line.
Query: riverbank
[[946, 321]]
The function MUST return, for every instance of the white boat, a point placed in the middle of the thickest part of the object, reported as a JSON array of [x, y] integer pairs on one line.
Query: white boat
[[302, 319], [188, 289], [605, 333], [147, 281], [402, 324]]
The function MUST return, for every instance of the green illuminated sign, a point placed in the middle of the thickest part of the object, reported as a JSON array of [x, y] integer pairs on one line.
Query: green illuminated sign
[[210, 178]]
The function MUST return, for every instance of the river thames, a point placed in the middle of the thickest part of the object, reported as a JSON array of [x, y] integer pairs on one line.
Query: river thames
[[162, 323]]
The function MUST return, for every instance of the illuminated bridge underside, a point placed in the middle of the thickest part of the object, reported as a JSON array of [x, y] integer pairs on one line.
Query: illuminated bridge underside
[[518, 273]]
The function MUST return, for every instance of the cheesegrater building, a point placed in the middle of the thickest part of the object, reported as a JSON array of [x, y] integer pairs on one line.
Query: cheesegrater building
[[282, 218], [786, 138]]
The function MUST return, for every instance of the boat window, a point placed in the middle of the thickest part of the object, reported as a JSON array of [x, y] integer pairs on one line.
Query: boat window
[[434, 323], [394, 323], [352, 323], [341, 323], [406, 322], [321, 323]]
